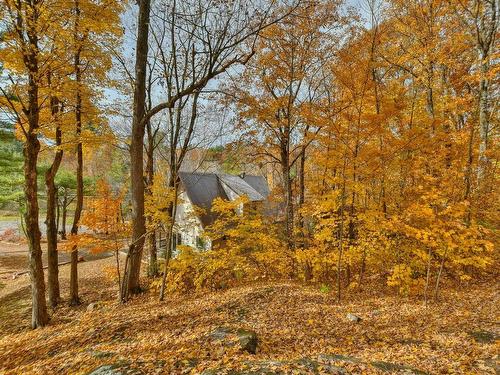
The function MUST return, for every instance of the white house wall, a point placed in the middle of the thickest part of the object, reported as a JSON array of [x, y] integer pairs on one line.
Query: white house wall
[[188, 224]]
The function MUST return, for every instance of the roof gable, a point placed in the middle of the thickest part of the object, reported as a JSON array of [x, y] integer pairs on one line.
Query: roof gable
[[259, 183], [203, 188], [240, 187]]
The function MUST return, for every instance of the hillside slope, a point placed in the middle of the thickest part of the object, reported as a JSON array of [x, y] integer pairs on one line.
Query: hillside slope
[[300, 330]]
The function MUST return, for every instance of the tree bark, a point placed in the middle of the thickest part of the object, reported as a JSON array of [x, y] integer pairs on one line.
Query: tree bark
[[58, 211], [172, 210], [153, 261], [341, 231], [486, 33], [31, 149], [287, 187], [438, 279], [74, 298], [302, 190], [484, 123], [39, 316], [64, 214], [136, 152], [468, 176], [50, 221]]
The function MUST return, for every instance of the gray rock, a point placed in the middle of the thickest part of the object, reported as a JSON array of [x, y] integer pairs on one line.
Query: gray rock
[[220, 333], [353, 318], [92, 306], [119, 367], [106, 370], [338, 357], [334, 370], [314, 367], [484, 337], [309, 364], [248, 340], [273, 367], [394, 367]]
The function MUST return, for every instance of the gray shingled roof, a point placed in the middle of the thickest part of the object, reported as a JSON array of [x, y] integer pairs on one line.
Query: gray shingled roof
[[203, 188], [240, 187], [259, 183]]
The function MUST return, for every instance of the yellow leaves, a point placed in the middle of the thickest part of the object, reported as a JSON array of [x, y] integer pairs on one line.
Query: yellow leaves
[[103, 223], [401, 277], [245, 246], [158, 200]]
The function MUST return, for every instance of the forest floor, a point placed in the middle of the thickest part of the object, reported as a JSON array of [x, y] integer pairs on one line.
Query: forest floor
[[300, 330]]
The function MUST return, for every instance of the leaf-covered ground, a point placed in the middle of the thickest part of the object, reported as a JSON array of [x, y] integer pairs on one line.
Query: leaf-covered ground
[[300, 329]]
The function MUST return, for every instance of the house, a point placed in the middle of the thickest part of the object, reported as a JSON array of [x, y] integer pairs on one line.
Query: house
[[199, 191]]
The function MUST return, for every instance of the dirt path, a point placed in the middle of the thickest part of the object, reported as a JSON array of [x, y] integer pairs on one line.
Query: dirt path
[[15, 303], [14, 260]]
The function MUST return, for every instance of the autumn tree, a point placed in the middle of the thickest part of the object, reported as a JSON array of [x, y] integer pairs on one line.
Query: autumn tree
[[22, 53], [220, 35], [279, 92], [106, 228], [56, 107], [398, 119], [94, 24]]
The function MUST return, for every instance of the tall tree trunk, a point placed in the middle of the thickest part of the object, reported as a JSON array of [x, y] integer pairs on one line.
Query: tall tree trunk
[[172, 210], [50, 222], [74, 298], [468, 176], [31, 149], [153, 261], [58, 211], [438, 279], [153, 255], [484, 123], [39, 315], [486, 26], [341, 230], [64, 214], [287, 187], [136, 152], [302, 189], [427, 275]]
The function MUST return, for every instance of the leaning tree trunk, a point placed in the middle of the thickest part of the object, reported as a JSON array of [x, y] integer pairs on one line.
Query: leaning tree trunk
[[131, 279], [51, 224], [31, 149], [74, 298]]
